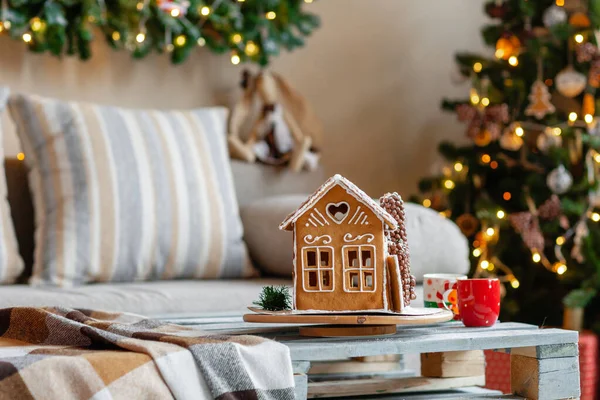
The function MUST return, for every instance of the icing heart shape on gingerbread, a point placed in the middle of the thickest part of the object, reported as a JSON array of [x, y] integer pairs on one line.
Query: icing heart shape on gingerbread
[[338, 211]]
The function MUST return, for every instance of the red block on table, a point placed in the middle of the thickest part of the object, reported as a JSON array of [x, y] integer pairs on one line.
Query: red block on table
[[588, 365], [497, 368], [497, 371]]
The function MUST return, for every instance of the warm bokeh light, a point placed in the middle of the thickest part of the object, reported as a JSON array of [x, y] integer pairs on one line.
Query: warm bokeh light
[[519, 131], [448, 184]]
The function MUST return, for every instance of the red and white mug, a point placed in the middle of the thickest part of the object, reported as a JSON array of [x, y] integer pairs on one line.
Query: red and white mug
[[440, 291]]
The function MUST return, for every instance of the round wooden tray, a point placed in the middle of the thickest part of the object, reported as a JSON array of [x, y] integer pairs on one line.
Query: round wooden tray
[[353, 324]]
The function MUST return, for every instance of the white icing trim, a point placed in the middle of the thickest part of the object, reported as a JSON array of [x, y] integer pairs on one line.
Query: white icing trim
[[348, 237], [385, 285], [337, 205], [321, 215], [312, 222], [364, 220], [351, 219], [352, 190], [316, 219], [308, 239], [360, 269], [295, 270], [318, 269], [361, 214]]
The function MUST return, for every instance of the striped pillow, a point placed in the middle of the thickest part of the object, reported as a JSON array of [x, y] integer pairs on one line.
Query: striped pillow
[[129, 195], [11, 263]]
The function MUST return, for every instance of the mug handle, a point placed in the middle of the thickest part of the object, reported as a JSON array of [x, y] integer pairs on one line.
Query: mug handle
[[444, 302]]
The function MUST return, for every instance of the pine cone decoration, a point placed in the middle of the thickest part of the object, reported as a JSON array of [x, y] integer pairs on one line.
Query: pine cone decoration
[[398, 244]]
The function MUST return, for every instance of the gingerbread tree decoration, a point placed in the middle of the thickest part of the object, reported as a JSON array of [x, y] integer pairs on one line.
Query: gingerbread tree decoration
[[398, 243], [539, 101]]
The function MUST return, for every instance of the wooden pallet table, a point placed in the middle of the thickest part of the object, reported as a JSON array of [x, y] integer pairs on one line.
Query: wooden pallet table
[[544, 362]]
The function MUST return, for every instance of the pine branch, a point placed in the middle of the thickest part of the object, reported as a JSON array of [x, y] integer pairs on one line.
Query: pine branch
[[274, 298]]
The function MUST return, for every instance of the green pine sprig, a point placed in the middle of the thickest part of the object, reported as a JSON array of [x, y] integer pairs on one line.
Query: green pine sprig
[[274, 298]]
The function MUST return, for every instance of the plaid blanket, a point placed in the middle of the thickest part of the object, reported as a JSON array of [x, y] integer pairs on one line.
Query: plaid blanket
[[58, 353]]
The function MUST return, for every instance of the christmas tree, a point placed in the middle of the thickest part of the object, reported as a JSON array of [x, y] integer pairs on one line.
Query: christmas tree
[[525, 190]]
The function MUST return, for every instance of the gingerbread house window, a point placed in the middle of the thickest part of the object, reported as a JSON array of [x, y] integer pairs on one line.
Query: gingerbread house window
[[359, 268], [317, 269]]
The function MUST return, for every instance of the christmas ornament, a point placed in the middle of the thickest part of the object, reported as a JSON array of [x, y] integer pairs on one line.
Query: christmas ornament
[[539, 101], [554, 15], [569, 82], [510, 140], [559, 180], [589, 100], [482, 138], [507, 47], [527, 225], [468, 224], [564, 223], [175, 8], [594, 74], [547, 139], [550, 209], [496, 10], [572, 6], [586, 52], [589, 104], [490, 118], [579, 20], [581, 232]]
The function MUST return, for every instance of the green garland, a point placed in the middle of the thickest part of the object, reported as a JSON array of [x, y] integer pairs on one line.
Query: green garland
[[250, 30]]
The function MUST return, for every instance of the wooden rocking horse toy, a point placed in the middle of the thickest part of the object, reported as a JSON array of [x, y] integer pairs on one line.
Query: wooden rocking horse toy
[[286, 130]]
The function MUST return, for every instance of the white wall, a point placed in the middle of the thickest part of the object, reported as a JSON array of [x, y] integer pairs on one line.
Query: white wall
[[375, 73]]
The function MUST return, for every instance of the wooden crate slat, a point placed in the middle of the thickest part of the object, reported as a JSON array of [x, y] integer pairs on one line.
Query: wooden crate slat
[[326, 349], [358, 387], [449, 328], [550, 351], [545, 379]]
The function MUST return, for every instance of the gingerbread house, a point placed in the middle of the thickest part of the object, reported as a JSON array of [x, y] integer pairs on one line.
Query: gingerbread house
[[350, 253]]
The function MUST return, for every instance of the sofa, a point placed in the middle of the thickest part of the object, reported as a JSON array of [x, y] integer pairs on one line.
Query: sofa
[[253, 183]]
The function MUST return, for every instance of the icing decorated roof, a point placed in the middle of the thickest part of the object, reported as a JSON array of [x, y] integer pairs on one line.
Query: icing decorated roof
[[352, 189]]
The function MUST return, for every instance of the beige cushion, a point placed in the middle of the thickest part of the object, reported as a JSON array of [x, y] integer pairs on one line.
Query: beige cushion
[[270, 249], [127, 195], [146, 298], [436, 244]]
